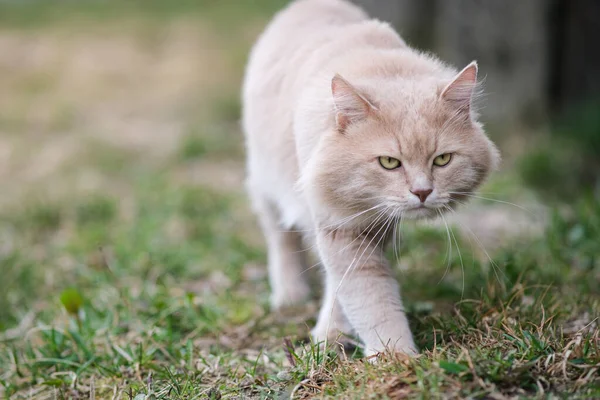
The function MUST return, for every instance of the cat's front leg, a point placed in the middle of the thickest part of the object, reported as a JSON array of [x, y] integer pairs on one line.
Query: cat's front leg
[[367, 291], [332, 324]]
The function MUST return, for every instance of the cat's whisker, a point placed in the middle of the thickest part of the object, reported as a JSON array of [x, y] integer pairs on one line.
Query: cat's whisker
[[383, 224], [394, 238], [480, 193], [398, 232], [468, 194], [462, 203], [372, 223], [383, 235], [495, 267], [378, 198], [448, 250], [337, 224], [346, 220], [400, 235], [378, 217], [462, 265]]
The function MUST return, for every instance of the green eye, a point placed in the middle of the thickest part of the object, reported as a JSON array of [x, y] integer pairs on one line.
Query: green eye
[[442, 160], [389, 162]]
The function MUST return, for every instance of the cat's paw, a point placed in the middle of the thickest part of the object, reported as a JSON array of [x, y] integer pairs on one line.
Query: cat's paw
[[322, 335], [406, 348], [336, 332], [290, 295], [333, 339]]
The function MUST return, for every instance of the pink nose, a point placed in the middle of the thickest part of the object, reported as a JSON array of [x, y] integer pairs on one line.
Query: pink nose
[[422, 194]]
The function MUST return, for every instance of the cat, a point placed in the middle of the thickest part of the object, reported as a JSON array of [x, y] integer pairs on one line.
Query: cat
[[347, 130]]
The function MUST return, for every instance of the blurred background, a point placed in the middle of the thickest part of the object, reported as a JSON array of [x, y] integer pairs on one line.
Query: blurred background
[[122, 165]]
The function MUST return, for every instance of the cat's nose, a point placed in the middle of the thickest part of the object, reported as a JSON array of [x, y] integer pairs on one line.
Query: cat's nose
[[422, 194]]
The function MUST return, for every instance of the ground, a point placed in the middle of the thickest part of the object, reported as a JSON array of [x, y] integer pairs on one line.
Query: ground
[[133, 268]]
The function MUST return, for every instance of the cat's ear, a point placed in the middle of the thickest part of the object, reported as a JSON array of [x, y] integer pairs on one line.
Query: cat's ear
[[350, 105], [461, 90]]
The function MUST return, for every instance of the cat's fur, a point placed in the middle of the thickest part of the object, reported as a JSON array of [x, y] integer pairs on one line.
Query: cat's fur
[[328, 91]]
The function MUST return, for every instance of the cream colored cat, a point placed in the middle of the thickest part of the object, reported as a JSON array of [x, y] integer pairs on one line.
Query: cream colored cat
[[347, 130]]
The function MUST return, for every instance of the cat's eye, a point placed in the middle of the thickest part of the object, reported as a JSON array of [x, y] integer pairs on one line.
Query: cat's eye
[[389, 162], [442, 160]]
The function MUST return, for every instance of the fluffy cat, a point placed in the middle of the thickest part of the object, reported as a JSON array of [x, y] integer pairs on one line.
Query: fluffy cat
[[347, 130]]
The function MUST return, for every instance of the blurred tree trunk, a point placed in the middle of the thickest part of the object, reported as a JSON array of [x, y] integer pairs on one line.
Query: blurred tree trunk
[[576, 60], [509, 41], [412, 18]]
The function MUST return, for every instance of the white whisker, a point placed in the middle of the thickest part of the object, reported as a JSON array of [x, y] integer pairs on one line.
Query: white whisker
[[495, 267], [448, 250], [338, 224], [395, 238], [387, 225], [372, 223], [383, 225], [462, 265], [495, 200]]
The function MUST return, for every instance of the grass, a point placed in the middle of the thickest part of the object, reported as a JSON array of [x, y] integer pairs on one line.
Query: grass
[[168, 302], [136, 271]]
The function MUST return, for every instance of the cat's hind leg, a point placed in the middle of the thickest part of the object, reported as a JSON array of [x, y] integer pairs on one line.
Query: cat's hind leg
[[286, 258]]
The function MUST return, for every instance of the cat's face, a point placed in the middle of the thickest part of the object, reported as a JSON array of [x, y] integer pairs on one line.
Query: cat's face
[[413, 158]]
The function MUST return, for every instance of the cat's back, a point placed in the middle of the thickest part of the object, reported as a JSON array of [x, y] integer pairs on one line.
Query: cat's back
[[316, 12], [304, 37], [306, 20]]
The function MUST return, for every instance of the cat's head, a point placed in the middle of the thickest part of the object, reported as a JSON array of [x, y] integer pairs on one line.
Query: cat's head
[[407, 147]]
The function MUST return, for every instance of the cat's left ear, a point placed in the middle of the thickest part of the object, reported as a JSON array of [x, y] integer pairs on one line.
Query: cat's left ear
[[350, 105], [461, 90]]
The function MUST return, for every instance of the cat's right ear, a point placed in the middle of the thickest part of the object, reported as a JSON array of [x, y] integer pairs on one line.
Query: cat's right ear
[[350, 105]]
